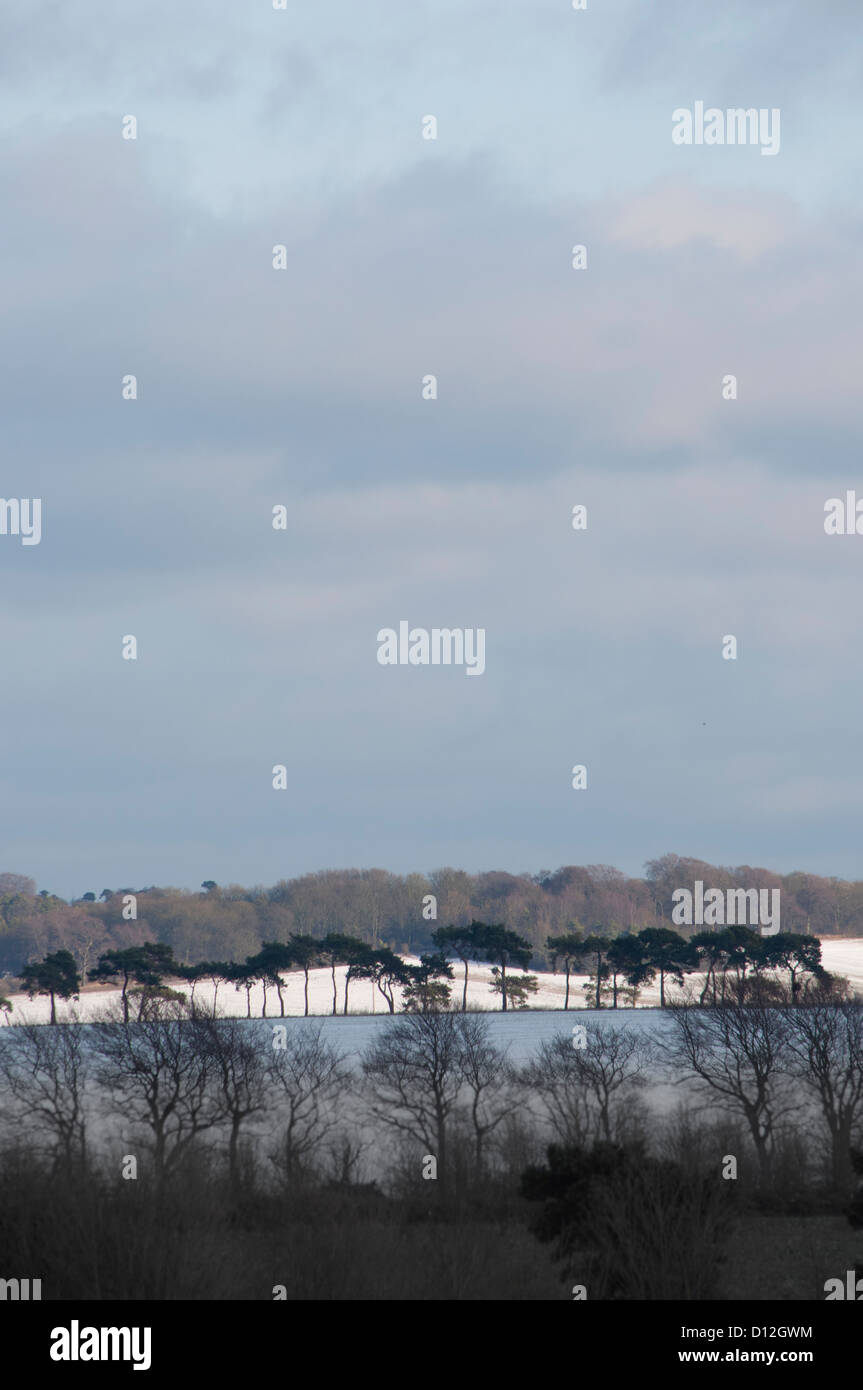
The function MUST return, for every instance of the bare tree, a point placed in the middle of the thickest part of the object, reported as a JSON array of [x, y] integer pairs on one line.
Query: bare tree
[[611, 1067], [413, 1079], [736, 1055], [583, 1081], [552, 1081], [309, 1077], [159, 1077], [17, 883], [487, 1081], [44, 1071], [238, 1073], [826, 1041]]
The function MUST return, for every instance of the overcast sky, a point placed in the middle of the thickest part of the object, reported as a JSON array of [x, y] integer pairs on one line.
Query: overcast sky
[[256, 387]]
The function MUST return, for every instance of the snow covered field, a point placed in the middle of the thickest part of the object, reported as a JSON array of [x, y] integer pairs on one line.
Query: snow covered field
[[841, 955]]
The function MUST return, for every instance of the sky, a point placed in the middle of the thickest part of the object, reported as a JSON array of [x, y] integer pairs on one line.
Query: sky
[[256, 387]]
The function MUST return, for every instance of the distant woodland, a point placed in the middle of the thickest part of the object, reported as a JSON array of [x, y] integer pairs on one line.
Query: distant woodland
[[229, 922]]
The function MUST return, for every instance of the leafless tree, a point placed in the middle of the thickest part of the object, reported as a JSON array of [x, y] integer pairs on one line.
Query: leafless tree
[[308, 1077], [413, 1079], [582, 1082], [17, 883], [237, 1068], [488, 1083], [826, 1042], [158, 1076], [552, 1082], [44, 1073], [736, 1055]]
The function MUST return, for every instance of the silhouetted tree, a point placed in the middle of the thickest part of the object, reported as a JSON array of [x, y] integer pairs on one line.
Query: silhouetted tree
[[386, 969], [305, 952], [359, 957], [668, 954], [487, 1081], [55, 975], [413, 1078], [45, 1071], [741, 948], [630, 957], [460, 942], [826, 1042], [309, 1077], [596, 952], [158, 1076], [737, 1055], [273, 958], [584, 1084], [568, 948], [339, 949], [517, 987], [145, 965], [426, 989], [242, 975], [497, 943], [238, 1075], [799, 955], [711, 952], [193, 974]]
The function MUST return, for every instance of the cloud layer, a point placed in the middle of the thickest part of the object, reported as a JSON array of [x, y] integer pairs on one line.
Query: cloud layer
[[303, 387]]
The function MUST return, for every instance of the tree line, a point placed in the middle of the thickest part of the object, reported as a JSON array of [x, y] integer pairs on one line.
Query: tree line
[[228, 921], [738, 965]]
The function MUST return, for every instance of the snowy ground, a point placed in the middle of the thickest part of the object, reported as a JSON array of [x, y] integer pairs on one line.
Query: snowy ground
[[841, 955]]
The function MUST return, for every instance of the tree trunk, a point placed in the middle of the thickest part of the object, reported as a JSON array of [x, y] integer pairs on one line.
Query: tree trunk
[[503, 985], [306, 991], [233, 1169], [843, 1170], [566, 996], [764, 1157], [441, 1146], [464, 992], [702, 996]]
